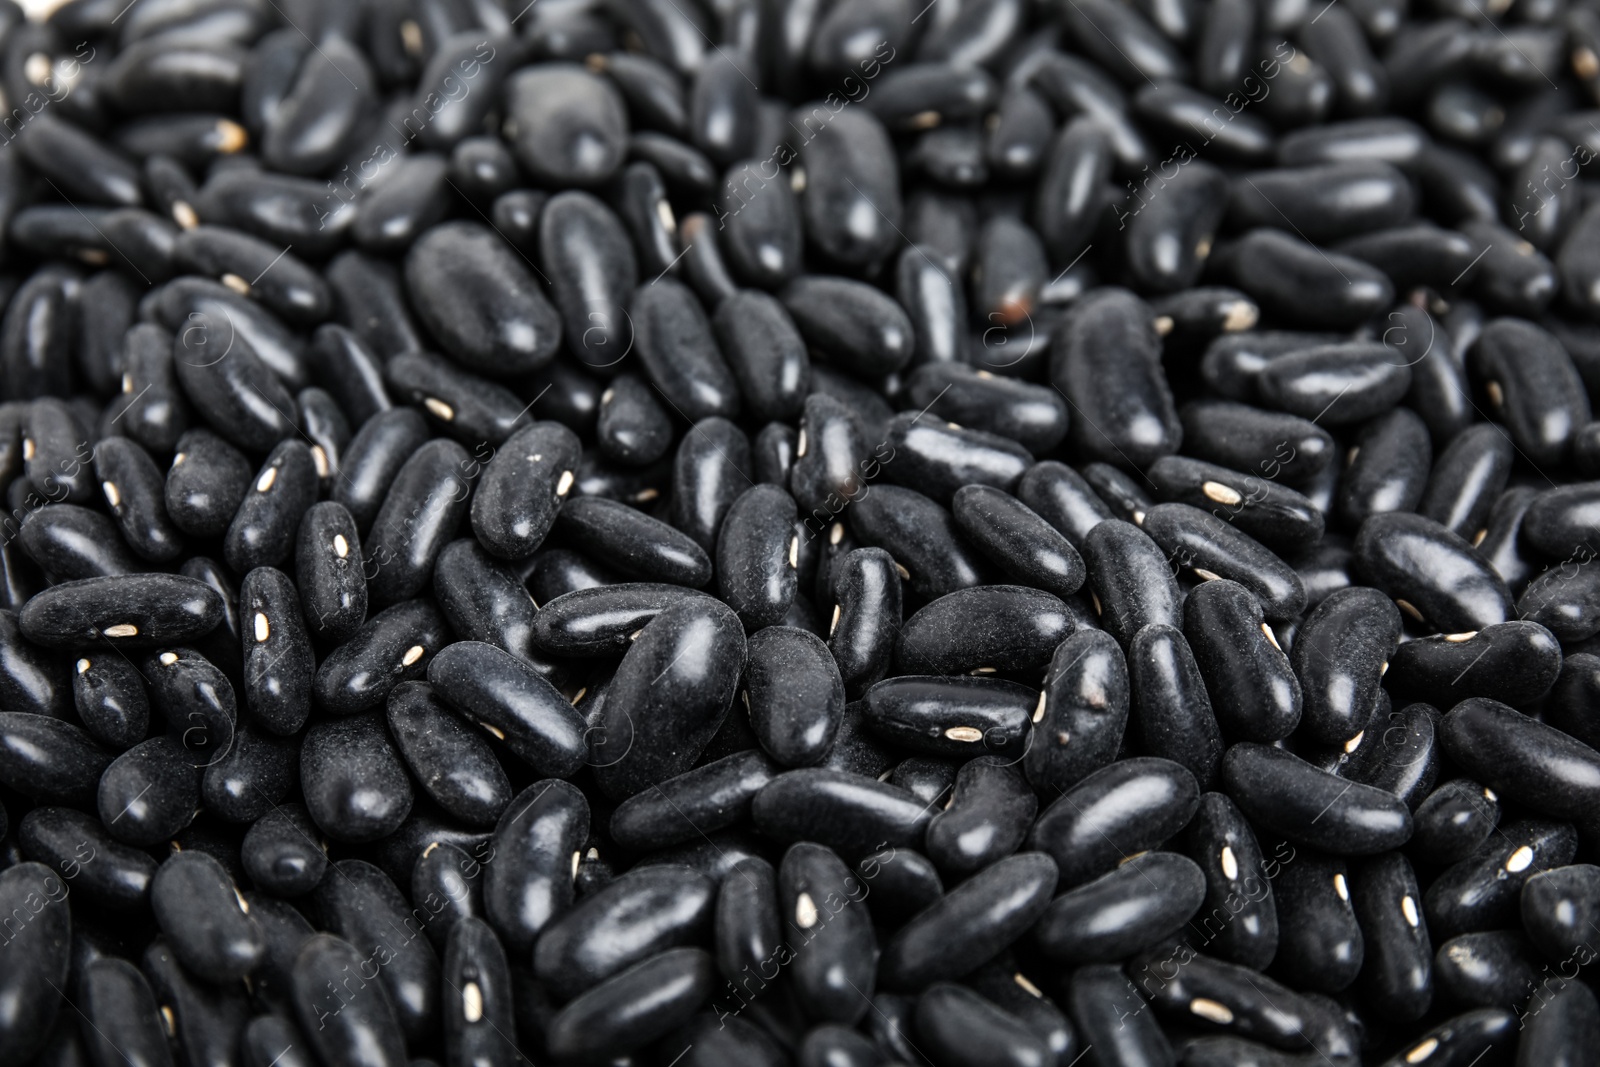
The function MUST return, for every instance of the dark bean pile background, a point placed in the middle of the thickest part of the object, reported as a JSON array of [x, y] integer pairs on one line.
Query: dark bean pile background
[[828, 533]]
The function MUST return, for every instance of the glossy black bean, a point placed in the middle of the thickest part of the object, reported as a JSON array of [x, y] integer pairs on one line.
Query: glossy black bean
[[1131, 581], [1531, 383], [479, 1021], [1285, 794], [850, 813], [329, 572], [57, 454], [1513, 662], [948, 716], [1433, 573], [1398, 752], [69, 542], [136, 610], [229, 383], [851, 203], [1082, 713], [1526, 760], [1468, 478], [513, 701], [1239, 919], [635, 917], [962, 1027], [1141, 903], [700, 801], [1455, 819], [263, 530], [448, 880], [1399, 954], [1339, 655], [676, 681], [635, 543], [1136, 420], [480, 300], [992, 628], [1125, 808], [585, 249], [1174, 712], [986, 819], [1212, 548], [135, 491]]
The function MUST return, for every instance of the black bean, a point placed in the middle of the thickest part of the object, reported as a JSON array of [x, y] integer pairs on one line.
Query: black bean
[[392, 646], [138, 610], [354, 783], [1130, 579], [514, 702], [281, 854], [149, 793], [1283, 793], [850, 813], [109, 696], [478, 412], [363, 1024], [35, 978], [1109, 1013]]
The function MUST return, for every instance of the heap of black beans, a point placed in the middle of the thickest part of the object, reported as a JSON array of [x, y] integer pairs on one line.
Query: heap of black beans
[[674, 533]]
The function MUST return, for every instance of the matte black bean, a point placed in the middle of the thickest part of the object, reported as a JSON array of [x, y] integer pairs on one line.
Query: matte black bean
[[137, 610], [354, 783], [78, 848], [1285, 794], [1513, 276], [281, 853], [205, 484], [1130, 579], [1532, 384], [850, 813], [1082, 713], [1109, 1013], [794, 694], [1513, 662], [571, 127], [986, 819], [1320, 946], [1127, 807], [1455, 819], [109, 696], [364, 1025], [522, 489], [1491, 968], [242, 782], [454, 765], [199, 909], [708, 798], [632, 427], [1003, 628], [673, 339], [149, 793], [34, 981], [1564, 1027], [510, 698], [117, 999]]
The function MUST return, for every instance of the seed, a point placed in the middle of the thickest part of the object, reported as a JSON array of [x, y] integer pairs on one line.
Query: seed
[[805, 911], [1211, 1011]]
